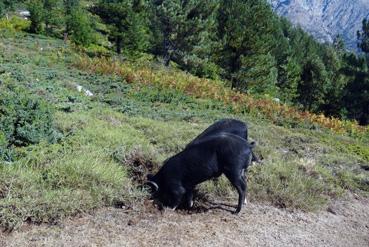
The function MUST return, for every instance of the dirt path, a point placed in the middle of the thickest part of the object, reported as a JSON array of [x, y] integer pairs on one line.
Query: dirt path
[[346, 223]]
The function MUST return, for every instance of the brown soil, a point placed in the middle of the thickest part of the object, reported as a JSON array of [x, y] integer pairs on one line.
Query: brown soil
[[345, 223]]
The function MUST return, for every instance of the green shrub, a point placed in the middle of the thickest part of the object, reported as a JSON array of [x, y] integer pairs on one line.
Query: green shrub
[[14, 24], [3, 145], [37, 16], [94, 50], [24, 118], [79, 24]]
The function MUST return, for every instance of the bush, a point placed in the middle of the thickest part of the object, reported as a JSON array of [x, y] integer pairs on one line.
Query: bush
[[24, 118], [14, 24], [94, 50], [79, 23], [3, 145], [163, 95]]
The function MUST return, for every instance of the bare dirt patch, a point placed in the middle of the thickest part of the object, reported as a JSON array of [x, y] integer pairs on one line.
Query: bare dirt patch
[[139, 164], [345, 223]]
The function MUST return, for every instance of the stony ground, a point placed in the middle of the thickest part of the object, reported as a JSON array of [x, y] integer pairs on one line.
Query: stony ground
[[345, 223]]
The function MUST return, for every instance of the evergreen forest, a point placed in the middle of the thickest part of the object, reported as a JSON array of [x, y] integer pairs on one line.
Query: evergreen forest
[[239, 41]]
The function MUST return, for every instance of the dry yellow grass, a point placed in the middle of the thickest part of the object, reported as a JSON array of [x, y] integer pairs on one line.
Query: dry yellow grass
[[205, 88]]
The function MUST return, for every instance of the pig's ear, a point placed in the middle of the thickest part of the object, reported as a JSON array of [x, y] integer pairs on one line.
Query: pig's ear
[[153, 186]]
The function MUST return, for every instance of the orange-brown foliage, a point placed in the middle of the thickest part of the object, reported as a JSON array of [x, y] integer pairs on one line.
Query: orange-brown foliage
[[205, 88]]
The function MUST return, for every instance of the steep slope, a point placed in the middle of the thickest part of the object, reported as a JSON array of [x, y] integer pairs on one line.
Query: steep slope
[[110, 140], [324, 19]]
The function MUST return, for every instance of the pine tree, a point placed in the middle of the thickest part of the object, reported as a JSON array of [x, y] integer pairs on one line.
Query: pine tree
[[127, 22], [356, 93], [339, 43], [356, 69], [45, 14], [53, 15], [363, 37], [184, 31], [314, 82], [337, 81], [37, 16], [258, 74], [2, 8], [247, 30], [79, 26], [232, 20], [355, 99], [290, 79], [6, 5], [69, 7]]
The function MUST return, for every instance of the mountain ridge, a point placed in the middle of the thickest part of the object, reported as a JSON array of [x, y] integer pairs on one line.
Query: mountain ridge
[[325, 19]]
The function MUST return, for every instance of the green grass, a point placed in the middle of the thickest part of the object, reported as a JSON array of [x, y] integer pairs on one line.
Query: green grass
[[125, 125]]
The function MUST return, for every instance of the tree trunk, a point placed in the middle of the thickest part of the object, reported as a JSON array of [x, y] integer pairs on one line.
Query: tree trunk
[[119, 45], [166, 57], [65, 37]]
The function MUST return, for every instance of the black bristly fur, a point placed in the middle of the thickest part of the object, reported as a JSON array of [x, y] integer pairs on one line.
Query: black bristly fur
[[224, 153], [228, 125]]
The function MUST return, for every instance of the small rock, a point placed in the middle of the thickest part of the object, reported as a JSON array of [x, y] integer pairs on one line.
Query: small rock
[[88, 93], [131, 222], [330, 210], [79, 88]]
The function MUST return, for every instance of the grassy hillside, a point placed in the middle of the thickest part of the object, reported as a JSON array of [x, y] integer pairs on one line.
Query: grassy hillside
[[109, 141]]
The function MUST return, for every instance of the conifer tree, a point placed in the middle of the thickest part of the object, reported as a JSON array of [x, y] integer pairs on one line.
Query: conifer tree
[[356, 93], [37, 15], [69, 7], [337, 81], [314, 83], [6, 5], [2, 8], [78, 23], [247, 31], [339, 43], [363, 37], [79, 26], [127, 20], [258, 74], [53, 15], [184, 32], [232, 19], [290, 79], [45, 14], [356, 69]]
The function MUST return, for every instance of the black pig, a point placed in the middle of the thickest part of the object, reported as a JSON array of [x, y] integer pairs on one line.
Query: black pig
[[211, 157]]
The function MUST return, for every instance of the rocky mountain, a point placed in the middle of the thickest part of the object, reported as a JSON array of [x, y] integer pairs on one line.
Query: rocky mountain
[[324, 19]]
